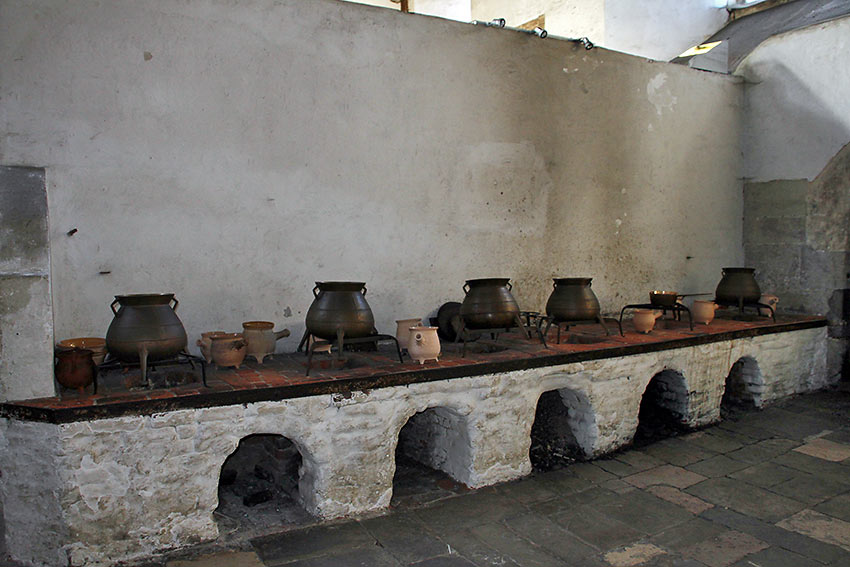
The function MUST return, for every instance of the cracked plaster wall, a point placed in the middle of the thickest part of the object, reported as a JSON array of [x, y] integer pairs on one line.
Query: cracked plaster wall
[[243, 153]]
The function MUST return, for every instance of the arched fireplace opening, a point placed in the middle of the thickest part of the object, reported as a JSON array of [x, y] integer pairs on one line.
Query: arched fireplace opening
[[261, 485], [663, 408], [433, 451], [744, 387], [564, 430]]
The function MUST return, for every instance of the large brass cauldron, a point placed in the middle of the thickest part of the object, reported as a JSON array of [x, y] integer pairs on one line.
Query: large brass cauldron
[[572, 300], [340, 306], [738, 284], [145, 327], [489, 304]]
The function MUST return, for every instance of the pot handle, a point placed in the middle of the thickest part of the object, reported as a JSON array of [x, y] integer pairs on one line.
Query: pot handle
[[363, 290], [112, 306], [176, 303], [316, 291], [466, 289], [509, 286]]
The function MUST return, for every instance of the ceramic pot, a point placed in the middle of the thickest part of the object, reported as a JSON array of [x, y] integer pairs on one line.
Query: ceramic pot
[[572, 300], [644, 320], [423, 344], [770, 300], [737, 284], [228, 349], [489, 304], [75, 368], [96, 345], [402, 332], [703, 311], [206, 341], [261, 338], [340, 307]]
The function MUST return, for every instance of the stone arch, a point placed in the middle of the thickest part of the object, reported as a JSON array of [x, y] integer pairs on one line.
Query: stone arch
[[267, 468], [438, 437], [664, 407], [744, 386], [564, 429]]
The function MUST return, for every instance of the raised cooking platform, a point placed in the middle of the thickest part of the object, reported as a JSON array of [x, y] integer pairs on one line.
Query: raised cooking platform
[[283, 376]]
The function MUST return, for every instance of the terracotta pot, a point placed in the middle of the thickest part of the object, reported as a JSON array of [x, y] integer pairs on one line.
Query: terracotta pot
[[206, 341], [644, 320], [703, 311], [228, 349], [75, 368], [96, 345], [402, 331], [423, 344], [770, 300], [261, 338]]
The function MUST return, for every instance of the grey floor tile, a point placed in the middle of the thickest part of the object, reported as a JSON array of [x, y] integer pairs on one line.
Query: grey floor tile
[[351, 558], [819, 467], [792, 425], [746, 499], [706, 439], [643, 511], [616, 467], [529, 490], [810, 488], [677, 452], [597, 529], [556, 540], [837, 507], [403, 535], [562, 482], [776, 557], [687, 534], [778, 537], [721, 465], [448, 561], [511, 544], [763, 450], [570, 501], [461, 543], [640, 461], [766, 474], [310, 542], [592, 472], [469, 510]]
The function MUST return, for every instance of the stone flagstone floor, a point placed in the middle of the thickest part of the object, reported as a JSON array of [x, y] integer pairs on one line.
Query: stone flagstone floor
[[765, 488]]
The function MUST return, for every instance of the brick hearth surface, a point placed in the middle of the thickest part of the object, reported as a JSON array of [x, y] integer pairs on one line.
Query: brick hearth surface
[[283, 375]]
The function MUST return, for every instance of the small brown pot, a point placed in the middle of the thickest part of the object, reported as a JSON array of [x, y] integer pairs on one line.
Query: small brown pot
[[228, 349], [205, 342], [96, 345], [74, 368], [644, 320]]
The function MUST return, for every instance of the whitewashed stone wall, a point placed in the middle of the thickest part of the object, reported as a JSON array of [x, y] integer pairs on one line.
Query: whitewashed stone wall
[[126, 487]]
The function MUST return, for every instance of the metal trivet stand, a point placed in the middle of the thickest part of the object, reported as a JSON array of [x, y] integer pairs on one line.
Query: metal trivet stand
[[743, 305], [566, 324], [676, 309], [181, 358], [466, 334], [341, 341]]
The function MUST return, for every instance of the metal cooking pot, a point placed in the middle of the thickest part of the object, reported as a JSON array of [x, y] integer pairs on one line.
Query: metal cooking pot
[[664, 298], [489, 304], [572, 300], [340, 306], [145, 327], [738, 284]]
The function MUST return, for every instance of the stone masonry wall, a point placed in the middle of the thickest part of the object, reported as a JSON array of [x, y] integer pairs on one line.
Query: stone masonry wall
[[106, 488]]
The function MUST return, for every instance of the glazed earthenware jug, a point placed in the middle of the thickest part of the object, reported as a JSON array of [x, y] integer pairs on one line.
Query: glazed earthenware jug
[[75, 368], [489, 304], [402, 332], [423, 344], [572, 300], [340, 307], [261, 338], [737, 284]]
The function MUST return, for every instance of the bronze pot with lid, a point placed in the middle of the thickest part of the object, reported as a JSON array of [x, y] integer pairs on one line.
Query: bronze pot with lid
[[489, 304], [340, 306], [572, 300], [145, 328], [738, 285]]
